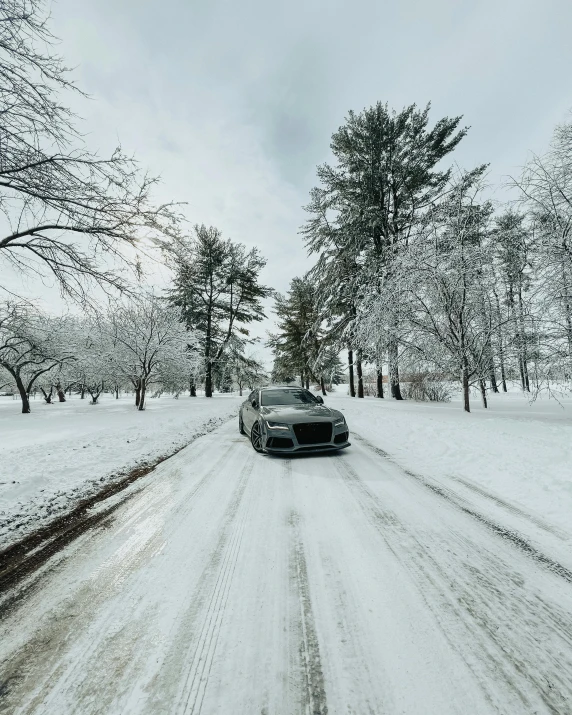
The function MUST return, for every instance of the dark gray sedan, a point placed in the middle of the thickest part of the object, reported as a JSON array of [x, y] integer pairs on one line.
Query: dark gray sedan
[[283, 420]]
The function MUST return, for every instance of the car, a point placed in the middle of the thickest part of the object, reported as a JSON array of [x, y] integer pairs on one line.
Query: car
[[286, 420]]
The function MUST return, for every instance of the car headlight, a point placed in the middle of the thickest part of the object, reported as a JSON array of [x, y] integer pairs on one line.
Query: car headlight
[[341, 422], [277, 425]]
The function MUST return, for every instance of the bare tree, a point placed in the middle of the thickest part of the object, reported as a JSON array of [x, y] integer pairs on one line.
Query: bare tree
[[546, 186], [441, 279], [30, 346], [148, 338], [67, 212]]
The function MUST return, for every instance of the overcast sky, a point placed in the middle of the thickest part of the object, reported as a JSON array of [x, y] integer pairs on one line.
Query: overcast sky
[[234, 102]]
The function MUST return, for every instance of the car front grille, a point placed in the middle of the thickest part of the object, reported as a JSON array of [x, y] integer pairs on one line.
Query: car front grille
[[313, 432], [279, 443], [341, 438]]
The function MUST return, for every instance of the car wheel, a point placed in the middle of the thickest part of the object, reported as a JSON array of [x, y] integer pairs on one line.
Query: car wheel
[[256, 437], [241, 425]]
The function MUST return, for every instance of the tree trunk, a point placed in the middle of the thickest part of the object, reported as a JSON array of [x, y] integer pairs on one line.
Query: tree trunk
[[208, 347], [483, 393], [568, 318], [500, 341], [501, 346], [351, 371], [23, 395], [47, 395], [503, 377], [394, 370], [491, 361], [520, 338], [61, 393], [209, 379], [465, 381], [322, 385], [141, 406], [526, 383], [359, 375], [379, 383], [521, 371], [517, 337]]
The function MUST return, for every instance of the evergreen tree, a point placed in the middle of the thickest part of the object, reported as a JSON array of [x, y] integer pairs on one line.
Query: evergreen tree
[[216, 287], [296, 313], [302, 347], [370, 200]]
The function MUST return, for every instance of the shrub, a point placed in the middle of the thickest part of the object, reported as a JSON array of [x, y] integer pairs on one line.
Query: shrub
[[426, 387]]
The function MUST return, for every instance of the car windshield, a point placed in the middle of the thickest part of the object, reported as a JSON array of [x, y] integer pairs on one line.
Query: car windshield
[[286, 397]]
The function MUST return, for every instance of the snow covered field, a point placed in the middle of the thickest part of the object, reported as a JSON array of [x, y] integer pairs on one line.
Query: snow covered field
[[65, 451], [519, 451]]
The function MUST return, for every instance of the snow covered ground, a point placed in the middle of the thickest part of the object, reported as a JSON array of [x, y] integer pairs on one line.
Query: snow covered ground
[[232, 582], [63, 452], [517, 451]]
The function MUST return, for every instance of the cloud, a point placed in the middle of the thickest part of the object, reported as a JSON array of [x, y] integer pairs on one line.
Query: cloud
[[234, 103]]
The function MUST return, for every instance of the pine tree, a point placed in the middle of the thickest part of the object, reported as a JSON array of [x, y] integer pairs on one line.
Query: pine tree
[[369, 201], [292, 345], [216, 287]]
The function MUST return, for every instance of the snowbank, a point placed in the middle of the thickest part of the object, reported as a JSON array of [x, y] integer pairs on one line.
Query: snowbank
[[519, 451], [63, 452]]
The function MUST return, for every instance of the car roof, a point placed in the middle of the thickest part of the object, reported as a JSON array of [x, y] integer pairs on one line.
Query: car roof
[[283, 387]]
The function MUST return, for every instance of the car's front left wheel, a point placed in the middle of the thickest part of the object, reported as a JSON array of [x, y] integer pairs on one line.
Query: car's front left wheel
[[256, 437]]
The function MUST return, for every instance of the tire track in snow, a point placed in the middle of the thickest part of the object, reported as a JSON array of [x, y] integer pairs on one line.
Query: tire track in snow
[[14, 596], [314, 693], [512, 508], [43, 657], [226, 554], [351, 629], [98, 649], [502, 630], [506, 534]]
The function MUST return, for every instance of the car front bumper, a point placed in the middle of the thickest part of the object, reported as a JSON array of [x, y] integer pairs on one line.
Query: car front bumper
[[307, 448], [294, 447]]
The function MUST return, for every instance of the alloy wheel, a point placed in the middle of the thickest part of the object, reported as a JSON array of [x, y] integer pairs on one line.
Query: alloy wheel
[[256, 437]]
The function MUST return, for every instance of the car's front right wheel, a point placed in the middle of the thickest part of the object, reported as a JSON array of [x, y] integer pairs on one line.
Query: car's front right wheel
[[256, 437]]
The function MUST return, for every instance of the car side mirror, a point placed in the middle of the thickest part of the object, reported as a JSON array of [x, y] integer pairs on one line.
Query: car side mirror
[[254, 403], [319, 399]]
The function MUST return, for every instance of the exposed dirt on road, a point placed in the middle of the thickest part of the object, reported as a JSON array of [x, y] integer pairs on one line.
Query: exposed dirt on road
[[25, 556]]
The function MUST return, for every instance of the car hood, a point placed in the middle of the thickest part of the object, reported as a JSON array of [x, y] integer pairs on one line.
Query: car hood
[[294, 414]]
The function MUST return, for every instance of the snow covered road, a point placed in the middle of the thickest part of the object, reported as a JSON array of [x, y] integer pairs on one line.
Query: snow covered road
[[229, 582]]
